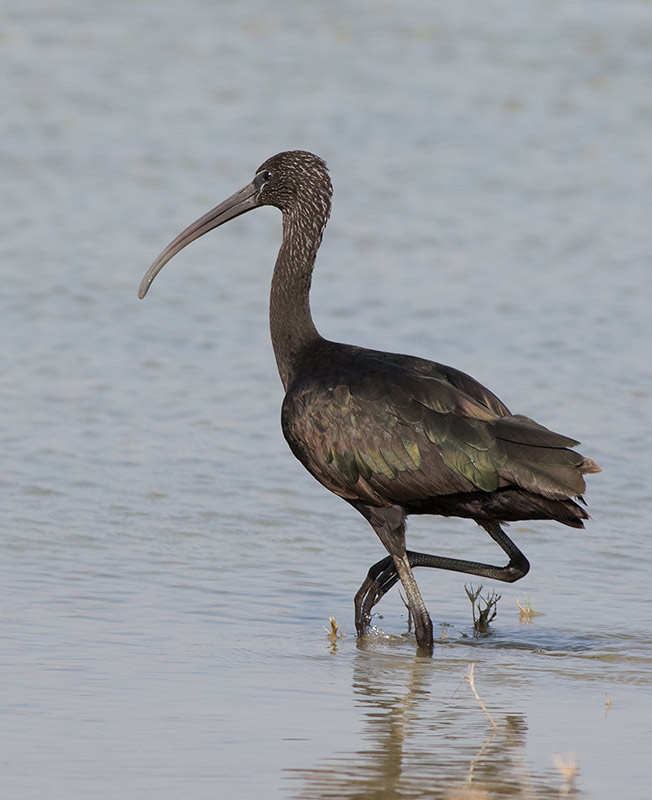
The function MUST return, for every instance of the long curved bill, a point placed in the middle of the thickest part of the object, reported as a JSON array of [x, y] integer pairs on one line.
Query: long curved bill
[[237, 204]]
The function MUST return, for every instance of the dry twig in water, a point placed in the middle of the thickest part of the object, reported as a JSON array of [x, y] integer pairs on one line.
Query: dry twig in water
[[334, 633], [485, 615], [568, 769], [527, 612], [470, 679]]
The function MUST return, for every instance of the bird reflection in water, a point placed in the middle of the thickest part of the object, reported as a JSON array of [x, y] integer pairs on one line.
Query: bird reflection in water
[[422, 745]]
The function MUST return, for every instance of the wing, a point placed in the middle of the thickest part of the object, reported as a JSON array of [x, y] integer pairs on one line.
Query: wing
[[402, 430]]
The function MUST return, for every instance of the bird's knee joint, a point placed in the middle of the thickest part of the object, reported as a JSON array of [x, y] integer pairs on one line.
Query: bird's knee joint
[[516, 571]]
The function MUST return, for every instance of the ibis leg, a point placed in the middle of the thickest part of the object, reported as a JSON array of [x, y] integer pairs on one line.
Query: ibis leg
[[389, 524], [384, 574]]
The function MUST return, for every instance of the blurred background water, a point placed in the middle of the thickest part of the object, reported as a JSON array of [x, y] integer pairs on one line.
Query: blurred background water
[[167, 567]]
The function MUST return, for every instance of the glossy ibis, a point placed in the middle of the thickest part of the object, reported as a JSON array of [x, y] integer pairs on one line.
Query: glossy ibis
[[392, 434]]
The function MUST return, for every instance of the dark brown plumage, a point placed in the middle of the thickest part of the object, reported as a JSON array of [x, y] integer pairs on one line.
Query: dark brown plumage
[[393, 434]]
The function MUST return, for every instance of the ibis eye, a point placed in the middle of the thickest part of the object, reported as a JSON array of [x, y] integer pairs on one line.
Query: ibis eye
[[262, 179]]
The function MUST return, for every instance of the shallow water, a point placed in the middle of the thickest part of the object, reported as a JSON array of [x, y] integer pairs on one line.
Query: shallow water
[[168, 568]]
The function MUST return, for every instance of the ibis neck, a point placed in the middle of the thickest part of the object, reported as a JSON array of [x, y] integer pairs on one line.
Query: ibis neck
[[291, 325]]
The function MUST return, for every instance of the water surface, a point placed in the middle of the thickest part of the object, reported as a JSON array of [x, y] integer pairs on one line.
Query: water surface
[[167, 567]]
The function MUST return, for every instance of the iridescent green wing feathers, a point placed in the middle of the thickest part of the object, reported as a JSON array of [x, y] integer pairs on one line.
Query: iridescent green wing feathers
[[396, 435]]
